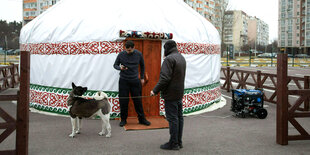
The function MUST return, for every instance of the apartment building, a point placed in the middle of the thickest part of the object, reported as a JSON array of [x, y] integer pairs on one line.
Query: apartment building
[[294, 26], [241, 29], [33, 8], [212, 10], [258, 31], [236, 29]]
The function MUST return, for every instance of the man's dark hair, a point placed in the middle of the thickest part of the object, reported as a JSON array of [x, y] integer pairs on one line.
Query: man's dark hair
[[129, 44], [168, 46]]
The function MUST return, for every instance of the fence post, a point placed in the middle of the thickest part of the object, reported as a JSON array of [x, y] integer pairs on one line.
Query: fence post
[[282, 100], [259, 79], [22, 127], [13, 75], [306, 86], [228, 79]]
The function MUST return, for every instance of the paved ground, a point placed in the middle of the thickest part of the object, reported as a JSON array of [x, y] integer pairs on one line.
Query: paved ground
[[217, 132]]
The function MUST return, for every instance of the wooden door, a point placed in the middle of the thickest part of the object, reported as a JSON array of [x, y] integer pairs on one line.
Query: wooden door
[[151, 50]]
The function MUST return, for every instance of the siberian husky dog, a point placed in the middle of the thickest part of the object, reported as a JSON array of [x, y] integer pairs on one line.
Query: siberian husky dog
[[80, 107]]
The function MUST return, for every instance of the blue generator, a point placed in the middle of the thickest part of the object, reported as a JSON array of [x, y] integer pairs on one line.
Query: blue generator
[[248, 102]]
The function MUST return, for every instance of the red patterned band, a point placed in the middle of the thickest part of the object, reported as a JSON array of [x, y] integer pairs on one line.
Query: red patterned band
[[75, 48], [107, 47], [197, 48]]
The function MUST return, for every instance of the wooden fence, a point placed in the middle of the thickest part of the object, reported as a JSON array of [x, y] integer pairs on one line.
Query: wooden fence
[[243, 79], [21, 124], [287, 112], [9, 76], [278, 84]]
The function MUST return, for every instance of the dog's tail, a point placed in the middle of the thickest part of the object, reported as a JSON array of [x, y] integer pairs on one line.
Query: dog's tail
[[100, 95]]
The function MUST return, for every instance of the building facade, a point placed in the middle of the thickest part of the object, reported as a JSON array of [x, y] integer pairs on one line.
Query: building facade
[[33, 8], [236, 29], [294, 26], [243, 30], [258, 31], [212, 10]]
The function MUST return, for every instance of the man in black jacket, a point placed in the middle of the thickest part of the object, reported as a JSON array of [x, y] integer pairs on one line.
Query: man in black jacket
[[171, 86], [128, 63]]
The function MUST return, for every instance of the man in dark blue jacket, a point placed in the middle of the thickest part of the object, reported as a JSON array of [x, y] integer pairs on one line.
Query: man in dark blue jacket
[[171, 86], [128, 62]]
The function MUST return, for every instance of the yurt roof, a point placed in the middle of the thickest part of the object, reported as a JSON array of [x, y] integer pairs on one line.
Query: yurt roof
[[102, 20]]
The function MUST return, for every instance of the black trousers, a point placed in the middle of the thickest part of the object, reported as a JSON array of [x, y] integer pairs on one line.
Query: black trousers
[[135, 89], [174, 116]]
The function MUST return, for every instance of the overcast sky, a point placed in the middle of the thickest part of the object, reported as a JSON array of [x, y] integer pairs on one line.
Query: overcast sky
[[266, 10], [11, 10]]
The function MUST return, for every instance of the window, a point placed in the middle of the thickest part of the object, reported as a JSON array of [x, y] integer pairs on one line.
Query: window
[[289, 36], [289, 42], [282, 43]]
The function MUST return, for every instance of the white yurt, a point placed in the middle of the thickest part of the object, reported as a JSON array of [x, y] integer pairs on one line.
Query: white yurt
[[78, 41]]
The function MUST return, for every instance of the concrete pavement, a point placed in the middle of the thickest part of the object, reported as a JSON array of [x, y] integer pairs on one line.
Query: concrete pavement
[[216, 132]]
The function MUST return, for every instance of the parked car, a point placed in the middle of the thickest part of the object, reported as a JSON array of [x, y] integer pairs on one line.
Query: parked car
[[10, 52], [302, 56], [290, 55], [267, 55]]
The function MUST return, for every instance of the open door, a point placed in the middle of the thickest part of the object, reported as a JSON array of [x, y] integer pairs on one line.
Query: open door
[[151, 50]]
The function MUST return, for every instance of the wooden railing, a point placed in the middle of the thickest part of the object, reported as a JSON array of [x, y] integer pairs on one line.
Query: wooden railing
[[287, 112], [243, 79], [21, 124], [277, 83], [9, 76]]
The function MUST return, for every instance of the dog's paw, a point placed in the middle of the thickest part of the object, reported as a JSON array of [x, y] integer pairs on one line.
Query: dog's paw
[[108, 135], [71, 135], [101, 133], [77, 132]]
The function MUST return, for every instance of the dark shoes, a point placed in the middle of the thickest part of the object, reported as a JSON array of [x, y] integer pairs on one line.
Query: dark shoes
[[180, 145], [141, 121], [122, 123], [144, 122], [170, 146]]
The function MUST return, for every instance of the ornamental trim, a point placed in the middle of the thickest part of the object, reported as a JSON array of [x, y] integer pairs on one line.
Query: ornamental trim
[[107, 47], [54, 100]]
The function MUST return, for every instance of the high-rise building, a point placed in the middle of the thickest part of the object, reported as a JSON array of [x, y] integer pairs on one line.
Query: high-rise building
[[294, 26], [241, 29], [33, 8], [236, 29], [258, 31], [212, 10]]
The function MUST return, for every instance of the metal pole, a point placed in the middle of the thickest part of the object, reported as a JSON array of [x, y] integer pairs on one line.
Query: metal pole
[[6, 48], [293, 58], [250, 53], [272, 56], [227, 56]]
